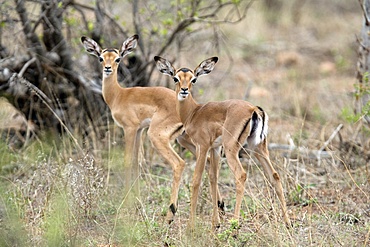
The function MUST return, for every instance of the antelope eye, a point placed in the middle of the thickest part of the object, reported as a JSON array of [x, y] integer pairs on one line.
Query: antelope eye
[[118, 60], [194, 80], [101, 59], [175, 80]]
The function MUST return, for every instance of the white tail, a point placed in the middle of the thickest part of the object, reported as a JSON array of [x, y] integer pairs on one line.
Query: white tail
[[259, 128]]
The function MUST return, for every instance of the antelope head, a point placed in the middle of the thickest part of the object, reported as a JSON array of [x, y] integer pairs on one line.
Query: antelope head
[[109, 58], [184, 78]]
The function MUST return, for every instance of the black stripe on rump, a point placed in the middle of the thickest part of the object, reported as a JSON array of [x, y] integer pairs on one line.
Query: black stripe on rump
[[254, 122], [241, 133], [263, 121]]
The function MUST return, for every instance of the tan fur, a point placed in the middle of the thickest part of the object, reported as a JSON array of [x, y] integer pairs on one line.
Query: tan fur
[[137, 108], [205, 124]]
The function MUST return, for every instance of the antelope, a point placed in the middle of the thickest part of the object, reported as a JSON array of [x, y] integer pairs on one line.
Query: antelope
[[213, 125], [137, 108]]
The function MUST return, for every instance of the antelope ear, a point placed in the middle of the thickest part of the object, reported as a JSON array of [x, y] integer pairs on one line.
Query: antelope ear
[[128, 45], [91, 46], [164, 66], [206, 66]]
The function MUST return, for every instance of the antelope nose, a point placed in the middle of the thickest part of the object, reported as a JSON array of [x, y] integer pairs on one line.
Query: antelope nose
[[184, 89]]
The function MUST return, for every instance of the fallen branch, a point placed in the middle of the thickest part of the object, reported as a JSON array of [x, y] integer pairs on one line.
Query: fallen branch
[[305, 152], [294, 151]]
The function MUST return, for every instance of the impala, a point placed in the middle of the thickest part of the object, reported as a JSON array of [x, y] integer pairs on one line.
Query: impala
[[137, 108], [228, 124]]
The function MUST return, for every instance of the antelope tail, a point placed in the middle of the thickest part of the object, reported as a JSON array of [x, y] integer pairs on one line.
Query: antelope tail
[[259, 127]]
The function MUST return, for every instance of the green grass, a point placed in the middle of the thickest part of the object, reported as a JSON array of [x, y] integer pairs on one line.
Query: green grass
[[68, 201]]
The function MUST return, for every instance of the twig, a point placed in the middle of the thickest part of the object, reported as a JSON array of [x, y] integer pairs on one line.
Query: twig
[[335, 132], [364, 11], [31, 86], [361, 44], [25, 66]]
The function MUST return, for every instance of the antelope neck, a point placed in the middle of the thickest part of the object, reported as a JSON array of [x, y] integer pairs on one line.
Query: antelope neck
[[186, 109], [110, 87]]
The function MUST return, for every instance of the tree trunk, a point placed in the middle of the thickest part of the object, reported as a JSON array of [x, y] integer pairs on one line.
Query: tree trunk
[[45, 85], [363, 65]]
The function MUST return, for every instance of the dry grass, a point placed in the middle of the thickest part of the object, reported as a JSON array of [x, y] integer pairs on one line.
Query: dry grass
[[302, 75], [77, 203]]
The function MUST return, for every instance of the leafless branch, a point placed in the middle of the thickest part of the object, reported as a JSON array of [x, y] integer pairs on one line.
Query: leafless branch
[[335, 132], [206, 18], [367, 21], [362, 45], [32, 38], [25, 66], [135, 16], [18, 78], [112, 19]]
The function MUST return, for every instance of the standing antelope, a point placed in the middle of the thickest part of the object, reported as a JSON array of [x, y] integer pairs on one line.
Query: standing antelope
[[137, 108], [212, 125]]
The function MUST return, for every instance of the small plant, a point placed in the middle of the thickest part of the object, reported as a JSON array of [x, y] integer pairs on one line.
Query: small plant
[[251, 207], [32, 192], [349, 219], [231, 231], [84, 181], [55, 223], [298, 195], [232, 236], [12, 230], [361, 90]]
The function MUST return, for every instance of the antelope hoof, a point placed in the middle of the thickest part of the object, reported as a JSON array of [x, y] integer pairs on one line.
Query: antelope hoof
[[288, 224], [221, 207], [216, 226], [171, 214], [169, 221]]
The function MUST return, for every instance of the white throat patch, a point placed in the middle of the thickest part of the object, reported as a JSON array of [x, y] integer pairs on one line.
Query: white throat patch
[[181, 97]]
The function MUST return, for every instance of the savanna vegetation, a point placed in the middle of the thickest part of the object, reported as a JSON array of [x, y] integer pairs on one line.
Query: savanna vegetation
[[61, 155]]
